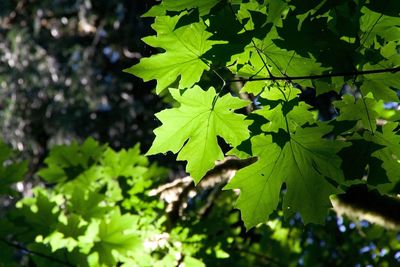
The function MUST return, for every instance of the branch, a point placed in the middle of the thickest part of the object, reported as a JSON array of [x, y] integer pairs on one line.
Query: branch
[[358, 203], [177, 192], [313, 77]]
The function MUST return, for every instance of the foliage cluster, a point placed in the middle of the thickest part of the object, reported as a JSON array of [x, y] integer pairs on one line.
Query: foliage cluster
[[281, 51], [94, 211], [94, 208]]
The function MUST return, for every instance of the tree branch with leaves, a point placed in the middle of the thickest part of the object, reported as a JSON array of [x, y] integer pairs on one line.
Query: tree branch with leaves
[[278, 49]]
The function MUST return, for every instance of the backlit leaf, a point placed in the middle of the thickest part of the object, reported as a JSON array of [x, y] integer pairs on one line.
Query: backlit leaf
[[302, 164], [182, 58], [192, 129]]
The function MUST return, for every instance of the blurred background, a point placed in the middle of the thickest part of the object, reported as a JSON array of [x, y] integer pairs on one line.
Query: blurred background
[[61, 75]]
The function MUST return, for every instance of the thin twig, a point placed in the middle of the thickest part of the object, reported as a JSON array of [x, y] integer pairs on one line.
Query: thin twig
[[313, 77]]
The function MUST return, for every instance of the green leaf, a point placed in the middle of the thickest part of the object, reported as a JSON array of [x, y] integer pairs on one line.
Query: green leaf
[[199, 120], [389, 154], [66, 162], [5, 151], [192, 262], [387, 182], [288, 114], [284, 62], [374, 25], [382, 85], [87, 203], [116, 237], [389, 52], [359, 163], [302, 164], [41, 249], [361, 109], [275, 10], [204, 7], [254, 87], [40, 212], [67, 233], [127, 163], [183, 47], [280, 62], [10, 173], [281, 92], [296, 117]]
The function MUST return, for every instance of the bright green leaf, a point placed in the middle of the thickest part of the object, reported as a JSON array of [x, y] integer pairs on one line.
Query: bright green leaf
[[183, 47], [302, 164], [199, 123], [374, 25], [296, 117], [118, 237]]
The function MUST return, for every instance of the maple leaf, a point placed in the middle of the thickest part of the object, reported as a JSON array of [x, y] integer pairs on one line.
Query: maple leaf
[[183, 50], [389, 154], [375, 24], [127, 163], [287, 62], [288, 114], [200, 118], [254, 87], [111, 238], [298, 116], [360, 109], [381, 85], [302, 164], [280, 62], [281, 91]]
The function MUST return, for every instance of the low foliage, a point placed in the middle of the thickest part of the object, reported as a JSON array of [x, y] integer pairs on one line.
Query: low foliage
[[94, 209]]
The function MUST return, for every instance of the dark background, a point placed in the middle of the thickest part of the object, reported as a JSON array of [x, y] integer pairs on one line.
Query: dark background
[[61, 74]]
